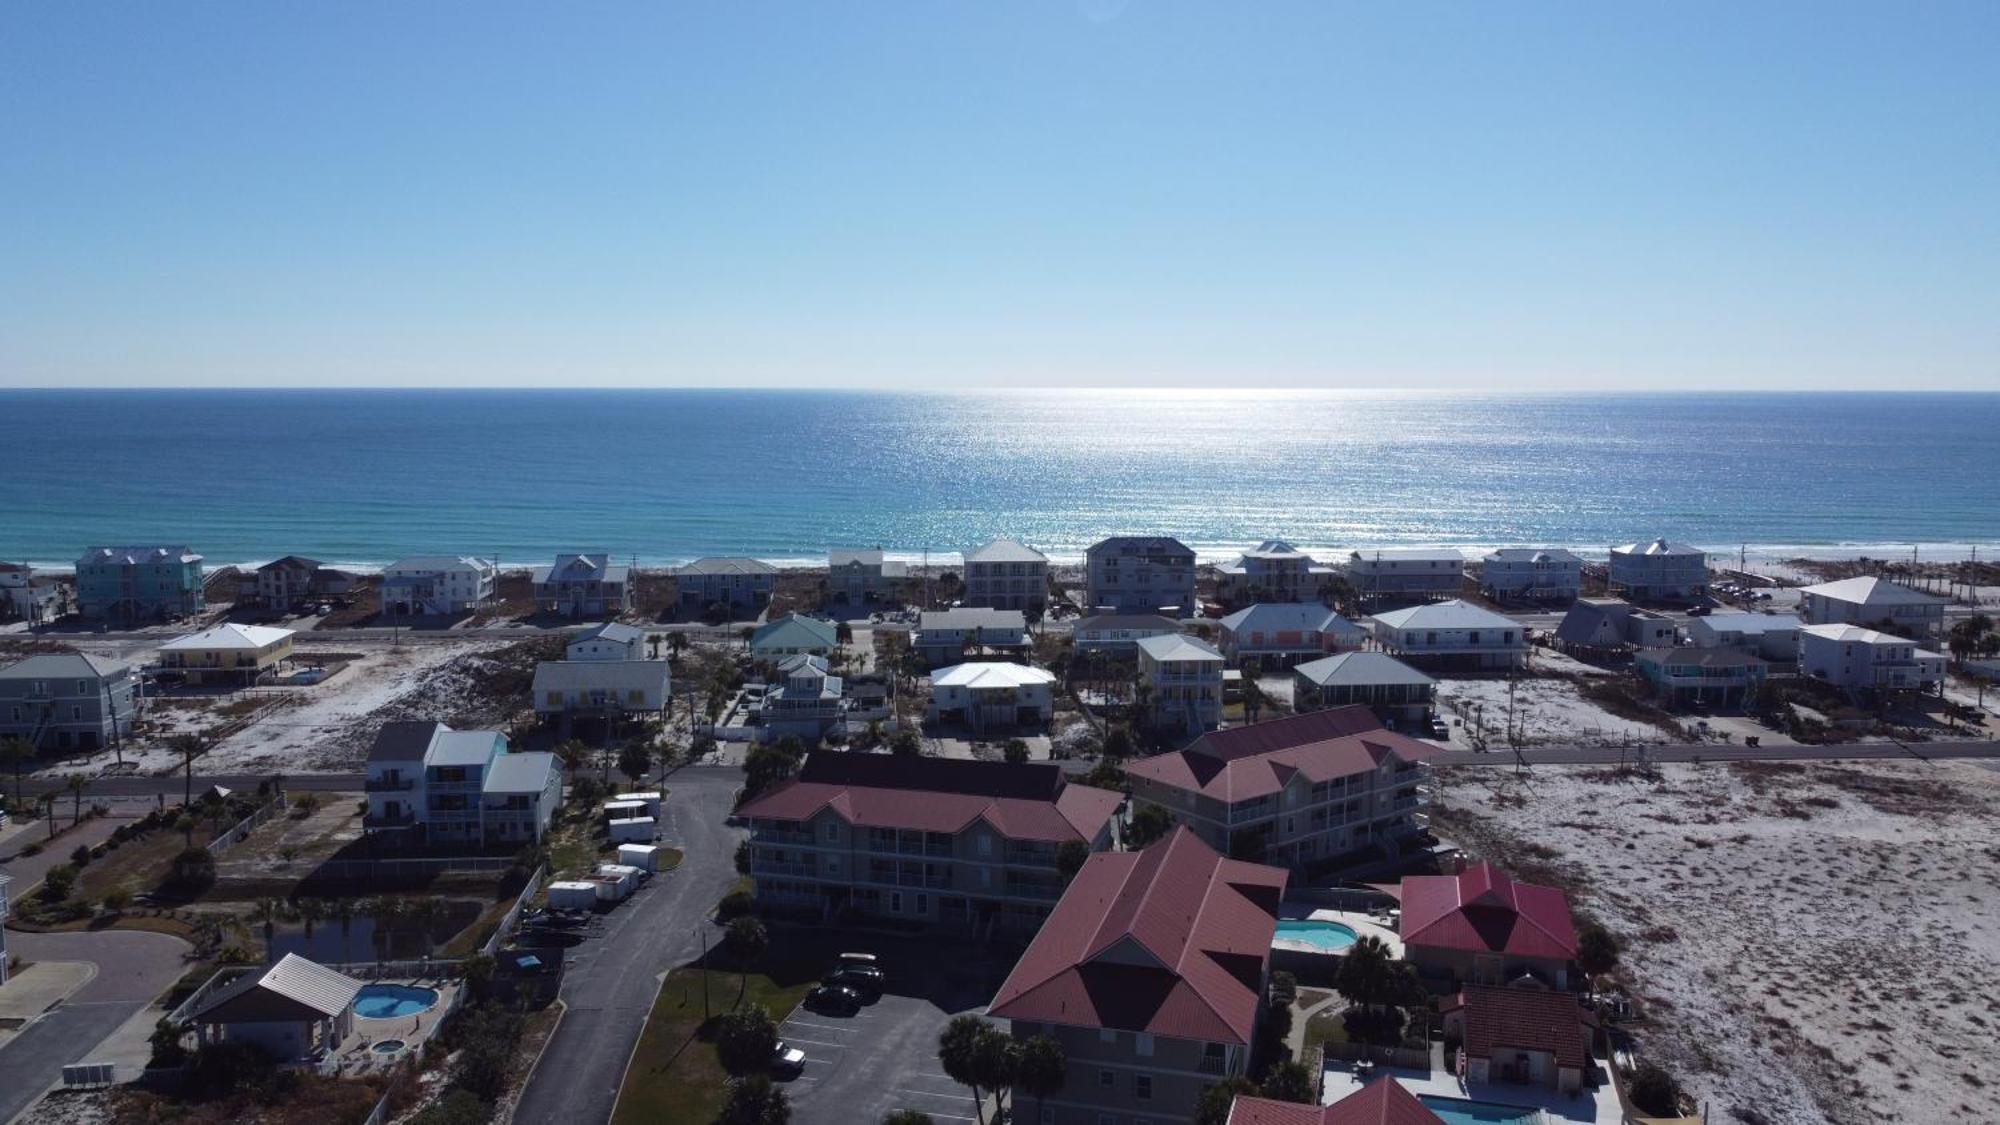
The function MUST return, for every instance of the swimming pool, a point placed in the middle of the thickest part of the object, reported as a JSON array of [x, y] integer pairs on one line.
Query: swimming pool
[[1327, 937], [391, 1001], [1458, 1111]]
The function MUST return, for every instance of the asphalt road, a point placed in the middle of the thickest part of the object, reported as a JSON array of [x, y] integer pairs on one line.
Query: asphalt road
[[614, 975], [133, 968], [1718, 752]]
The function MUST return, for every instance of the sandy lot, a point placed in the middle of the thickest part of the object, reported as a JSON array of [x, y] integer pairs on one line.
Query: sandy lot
[[1813, 943], [1547, 712]]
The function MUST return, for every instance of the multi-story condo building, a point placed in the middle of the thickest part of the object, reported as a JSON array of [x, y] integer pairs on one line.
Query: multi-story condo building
[[1118, 633], [67, 701], [1007, 574], [1406, 574], [439, 786], [1531, 574], [1139, 574], [957, 842], [38, 600], [1398, 694], [584, 584], [739, 585], [609, 641], [1481, 927], [132, 584], [1294, 791], [861, 576], [1860, 659], [1659, 571], [228, 652], [992, 695], [944, 636], [1773, 636], [805, 702], [1280, 634], [1876, 603], [1274, 571], [1150, 975], [424, 585], [1183, 677], [1452, 634]]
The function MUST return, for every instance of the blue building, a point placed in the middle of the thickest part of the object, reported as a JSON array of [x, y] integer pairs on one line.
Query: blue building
[[137, 584]]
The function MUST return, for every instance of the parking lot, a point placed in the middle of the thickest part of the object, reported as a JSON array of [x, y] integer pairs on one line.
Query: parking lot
[[859, 1068]]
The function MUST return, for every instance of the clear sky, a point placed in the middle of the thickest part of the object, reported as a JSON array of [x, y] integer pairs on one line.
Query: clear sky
[[1003, 193]]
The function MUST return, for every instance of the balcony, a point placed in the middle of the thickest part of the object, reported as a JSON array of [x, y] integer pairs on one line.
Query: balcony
[[389, 784], [775, 867], [1045, 892], [778, 836], [908, 879], [389, 820]]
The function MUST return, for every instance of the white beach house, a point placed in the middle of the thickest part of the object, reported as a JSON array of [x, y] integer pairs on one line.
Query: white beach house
[[1531, 574], [437, 584], [1874, 602], [1773, 636], [992, 695], [458, 787], [1397, 693], [1184, 675], [1007, 574], [1452, 634], [1859, 659], [609, 641], [1659, 571], [1282, 634], [1272, 571], [1406, 573], [805, 701]]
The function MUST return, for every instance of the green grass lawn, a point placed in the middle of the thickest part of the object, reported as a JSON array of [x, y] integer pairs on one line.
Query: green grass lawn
[[675, 1077], [1326, 1027]]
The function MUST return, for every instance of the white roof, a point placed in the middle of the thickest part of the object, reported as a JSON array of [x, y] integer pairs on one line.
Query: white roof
[[971, 617], [1360, 668], [1408, 554], [1749, 622], [441, 562], [527, 772], [619, 675], [1274, 549], [1657, 547], [1532, 554], [1453, 614], [616, 632], [1179, 646], [726, 564], [296, 979], [990, 674], [1855, 634], [136, 556], [1005, 551], [1272, 617], [844, 556], [1873, 591], [230, 636]]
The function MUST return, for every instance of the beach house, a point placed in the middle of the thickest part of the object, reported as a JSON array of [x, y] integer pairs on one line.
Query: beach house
[[1600, 627], [1150, 975], [441, 787], [1301, 791], [1280, 634], [1183, 679], [1452, 634], [68, 701], [1007, 574], [1522, 1033], [1272, 571], [1858, 659], [609, 689], [1481, 927], [954, 842], [583, 584], [294, 579], [1406, 574], [1398, 694], [804, 702], [1139, 574], [794, 634], [860, 576], [1773, 636], [1531, 574], [739, 586], [992, 696], [437, 585], [1117, 633], [944, 636], [130, 585], [289, 1010], [35, 599], [610, 641], [1659, 571], [229, 653], [1876, 603], [1717, 677]]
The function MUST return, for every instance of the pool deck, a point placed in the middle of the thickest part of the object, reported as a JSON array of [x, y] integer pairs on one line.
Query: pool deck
[[1597, 1106], [1363, 925], [357, 1052]]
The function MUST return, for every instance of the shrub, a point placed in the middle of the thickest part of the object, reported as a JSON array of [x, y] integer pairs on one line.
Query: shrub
[[735, 904], [58, 883], [458, 1107], [193, 871], [1654, 1091]]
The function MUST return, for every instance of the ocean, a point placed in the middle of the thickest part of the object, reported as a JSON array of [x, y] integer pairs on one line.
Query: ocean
[[360, 477]]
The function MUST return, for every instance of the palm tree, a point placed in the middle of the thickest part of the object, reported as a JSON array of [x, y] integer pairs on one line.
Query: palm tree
[[384, 911], [996, 1059], [745, 941], [185, 824], [189, 747], [76, 785], [343, 912], [1040, 1069], [267, 911], [310, 911], [429, 914], [15, 751], [958, 1046]]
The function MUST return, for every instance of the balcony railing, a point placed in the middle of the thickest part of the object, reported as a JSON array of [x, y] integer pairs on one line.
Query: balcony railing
[[909, 879], [389, 784], [774, 867], [775, 836]]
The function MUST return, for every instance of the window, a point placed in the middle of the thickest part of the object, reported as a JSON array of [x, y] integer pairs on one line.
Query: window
[[1107, 1035], [1143, 1044], [833, 865], [1142, 1087], [895, 902], [985, 845], [923, 904], [832, 831], [1106, 1080]]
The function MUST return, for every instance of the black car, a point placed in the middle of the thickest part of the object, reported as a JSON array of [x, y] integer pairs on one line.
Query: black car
[[863, 979], [834, 999]]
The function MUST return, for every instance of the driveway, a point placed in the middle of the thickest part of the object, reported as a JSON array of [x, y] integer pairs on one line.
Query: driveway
[[133, 968], [28, 870], [614, 975]]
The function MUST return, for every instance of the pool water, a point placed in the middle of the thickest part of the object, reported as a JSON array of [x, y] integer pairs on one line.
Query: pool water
[[1327, 937], [1458, 1111], [391, 1001], [389, 1046]]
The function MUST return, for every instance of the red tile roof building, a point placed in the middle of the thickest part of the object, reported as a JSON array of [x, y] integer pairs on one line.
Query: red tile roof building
[[1151, 974], [1521, 1034], [1297, 791], [1382, 1102], [1481, 926], [965, 843]]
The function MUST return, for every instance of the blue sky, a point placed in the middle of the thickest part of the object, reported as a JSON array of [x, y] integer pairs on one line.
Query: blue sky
[[955, 194]]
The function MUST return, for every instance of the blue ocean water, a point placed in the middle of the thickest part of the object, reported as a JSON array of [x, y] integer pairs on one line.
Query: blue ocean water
[[360, 477]]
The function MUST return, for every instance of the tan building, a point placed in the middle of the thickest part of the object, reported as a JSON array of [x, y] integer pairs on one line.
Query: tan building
[[1151, 975], [240, 653], [955, 842]]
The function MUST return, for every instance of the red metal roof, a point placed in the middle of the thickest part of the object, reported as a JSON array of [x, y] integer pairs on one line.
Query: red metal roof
[[1257, 760], [1034, 805], [1482, 910], [1172, 940], [1526, 1019], [1384, 1101]]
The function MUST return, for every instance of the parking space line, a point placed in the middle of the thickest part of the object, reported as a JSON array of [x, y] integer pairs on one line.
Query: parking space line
[[821, 1026], [934, 1094], [814, 1042]]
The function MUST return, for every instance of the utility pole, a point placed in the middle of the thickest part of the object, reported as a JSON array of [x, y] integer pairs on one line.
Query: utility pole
[[703, 935]]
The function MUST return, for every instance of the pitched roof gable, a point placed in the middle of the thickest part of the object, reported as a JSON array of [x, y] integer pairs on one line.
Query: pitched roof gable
[[1483, 910]]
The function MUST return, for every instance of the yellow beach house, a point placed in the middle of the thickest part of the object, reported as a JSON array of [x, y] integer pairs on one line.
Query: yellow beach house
[[240, 652]]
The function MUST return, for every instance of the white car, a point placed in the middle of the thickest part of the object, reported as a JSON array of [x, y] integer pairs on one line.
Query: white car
[[787, 1057]]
